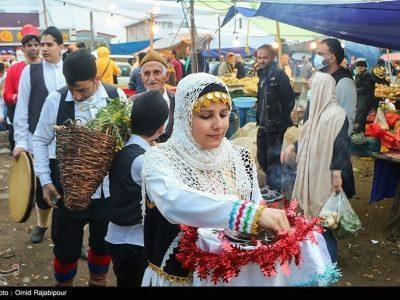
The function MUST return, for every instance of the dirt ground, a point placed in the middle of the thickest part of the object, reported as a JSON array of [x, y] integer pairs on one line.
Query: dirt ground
[[368, 259]]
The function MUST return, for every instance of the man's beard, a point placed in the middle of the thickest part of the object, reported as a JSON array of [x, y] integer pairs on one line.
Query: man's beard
[[33, 55]]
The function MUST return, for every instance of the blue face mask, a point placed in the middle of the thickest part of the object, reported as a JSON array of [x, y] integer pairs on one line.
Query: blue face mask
[[319, 62]]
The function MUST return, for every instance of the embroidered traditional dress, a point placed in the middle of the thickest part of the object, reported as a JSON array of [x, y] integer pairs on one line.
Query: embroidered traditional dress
[[185, 184]]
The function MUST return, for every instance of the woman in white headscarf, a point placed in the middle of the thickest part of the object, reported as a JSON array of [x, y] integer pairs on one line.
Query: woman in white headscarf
[[323, 156], [199, 179]]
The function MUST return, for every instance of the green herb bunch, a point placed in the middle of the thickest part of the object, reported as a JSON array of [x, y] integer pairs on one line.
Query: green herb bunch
[[114, 120]]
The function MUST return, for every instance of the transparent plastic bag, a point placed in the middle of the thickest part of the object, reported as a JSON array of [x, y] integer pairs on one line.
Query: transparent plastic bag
[[381, 119], [338, 215]]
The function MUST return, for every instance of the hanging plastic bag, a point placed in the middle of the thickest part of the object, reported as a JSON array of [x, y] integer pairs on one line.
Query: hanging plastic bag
[[338, 215], [381, 119]]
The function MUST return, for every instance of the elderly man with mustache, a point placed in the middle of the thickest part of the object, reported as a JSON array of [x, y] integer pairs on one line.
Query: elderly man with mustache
[[154, 75]]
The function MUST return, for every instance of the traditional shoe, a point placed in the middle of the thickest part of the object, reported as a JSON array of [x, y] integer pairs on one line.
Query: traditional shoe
[[270, 195], [37, 235], [84, 253]]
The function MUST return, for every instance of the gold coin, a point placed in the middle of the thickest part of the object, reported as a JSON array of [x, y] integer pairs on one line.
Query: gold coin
[[217, 94], [209, 96]]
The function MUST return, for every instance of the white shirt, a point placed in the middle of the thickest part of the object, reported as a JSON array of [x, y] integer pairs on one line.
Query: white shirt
[[132, 235], [44, 133], [3, 106], [181, 204], [3, 109], [346, 95], [54, 80]]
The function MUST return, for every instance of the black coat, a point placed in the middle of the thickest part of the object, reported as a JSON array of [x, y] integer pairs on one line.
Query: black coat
[[341, 159], [365, 91], [241, 72], [275, 99]]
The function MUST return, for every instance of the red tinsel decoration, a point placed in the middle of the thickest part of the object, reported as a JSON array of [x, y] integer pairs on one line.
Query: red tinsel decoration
[[228, 263]]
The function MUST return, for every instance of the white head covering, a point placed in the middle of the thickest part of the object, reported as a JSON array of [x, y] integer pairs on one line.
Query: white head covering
[[226, 169], [317, 137]]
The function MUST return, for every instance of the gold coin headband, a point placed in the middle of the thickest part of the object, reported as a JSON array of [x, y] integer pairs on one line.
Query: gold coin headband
[[215, 97]]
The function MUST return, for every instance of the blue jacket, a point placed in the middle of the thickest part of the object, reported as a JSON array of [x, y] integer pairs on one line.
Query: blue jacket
[[135, 82]]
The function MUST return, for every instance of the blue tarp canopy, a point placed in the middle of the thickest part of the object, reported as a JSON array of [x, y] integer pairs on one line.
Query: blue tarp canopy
[[370, 53], [128, 48], [373, 23], [238, 50]]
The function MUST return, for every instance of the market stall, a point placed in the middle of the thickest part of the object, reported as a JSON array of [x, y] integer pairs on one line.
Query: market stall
[[244, 107], [386, 128]]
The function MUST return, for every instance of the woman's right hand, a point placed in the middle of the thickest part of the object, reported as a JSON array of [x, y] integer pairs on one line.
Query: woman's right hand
[[274, 219], [287, 153]]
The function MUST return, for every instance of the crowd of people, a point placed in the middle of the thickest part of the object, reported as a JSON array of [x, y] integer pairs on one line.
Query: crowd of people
[[193, 176]]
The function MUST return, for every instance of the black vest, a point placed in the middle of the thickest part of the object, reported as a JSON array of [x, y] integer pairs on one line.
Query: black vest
[[341, 73], [66, 111], [125, 194], [159, 233], [338, 75], [37, 96]]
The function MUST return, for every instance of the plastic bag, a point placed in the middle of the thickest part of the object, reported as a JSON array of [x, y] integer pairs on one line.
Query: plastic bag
[[338, 215], [381, 119]]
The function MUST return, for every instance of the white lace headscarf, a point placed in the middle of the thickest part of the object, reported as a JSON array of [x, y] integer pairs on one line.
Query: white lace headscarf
[[222, 170]]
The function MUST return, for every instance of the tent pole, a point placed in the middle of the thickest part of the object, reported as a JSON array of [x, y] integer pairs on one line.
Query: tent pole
[[92, 33], [219, 37], [389, 65], [279, 41], [151, 26], [45, 13], [247, 49], [193, 37]]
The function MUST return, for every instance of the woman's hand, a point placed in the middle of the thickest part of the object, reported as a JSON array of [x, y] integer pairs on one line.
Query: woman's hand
[[274, 219], [337, 181], [288, 152]]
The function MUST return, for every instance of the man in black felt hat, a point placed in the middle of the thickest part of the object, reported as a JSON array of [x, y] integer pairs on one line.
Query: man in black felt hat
[[80, 100]]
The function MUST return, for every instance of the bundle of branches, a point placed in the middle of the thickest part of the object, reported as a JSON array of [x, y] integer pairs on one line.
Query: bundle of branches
[[85, 152], [114, 119]]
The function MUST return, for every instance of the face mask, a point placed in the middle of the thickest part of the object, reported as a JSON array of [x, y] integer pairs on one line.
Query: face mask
[[319, 62]]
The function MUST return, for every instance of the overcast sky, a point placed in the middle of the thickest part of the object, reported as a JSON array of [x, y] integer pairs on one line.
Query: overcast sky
[[71, 16]]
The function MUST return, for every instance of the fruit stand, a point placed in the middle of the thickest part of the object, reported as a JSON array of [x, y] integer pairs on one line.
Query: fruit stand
[[386, 127], [246, 89]]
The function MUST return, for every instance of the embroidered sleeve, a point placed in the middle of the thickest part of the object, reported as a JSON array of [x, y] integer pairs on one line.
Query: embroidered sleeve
[[244, 217]]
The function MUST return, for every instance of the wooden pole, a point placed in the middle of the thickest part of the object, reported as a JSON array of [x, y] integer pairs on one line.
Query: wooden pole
[[193, 37], [247, 49], [389, 65], [92, 32], [151, 24], [279, 41], [219, 37], [45, 13]]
